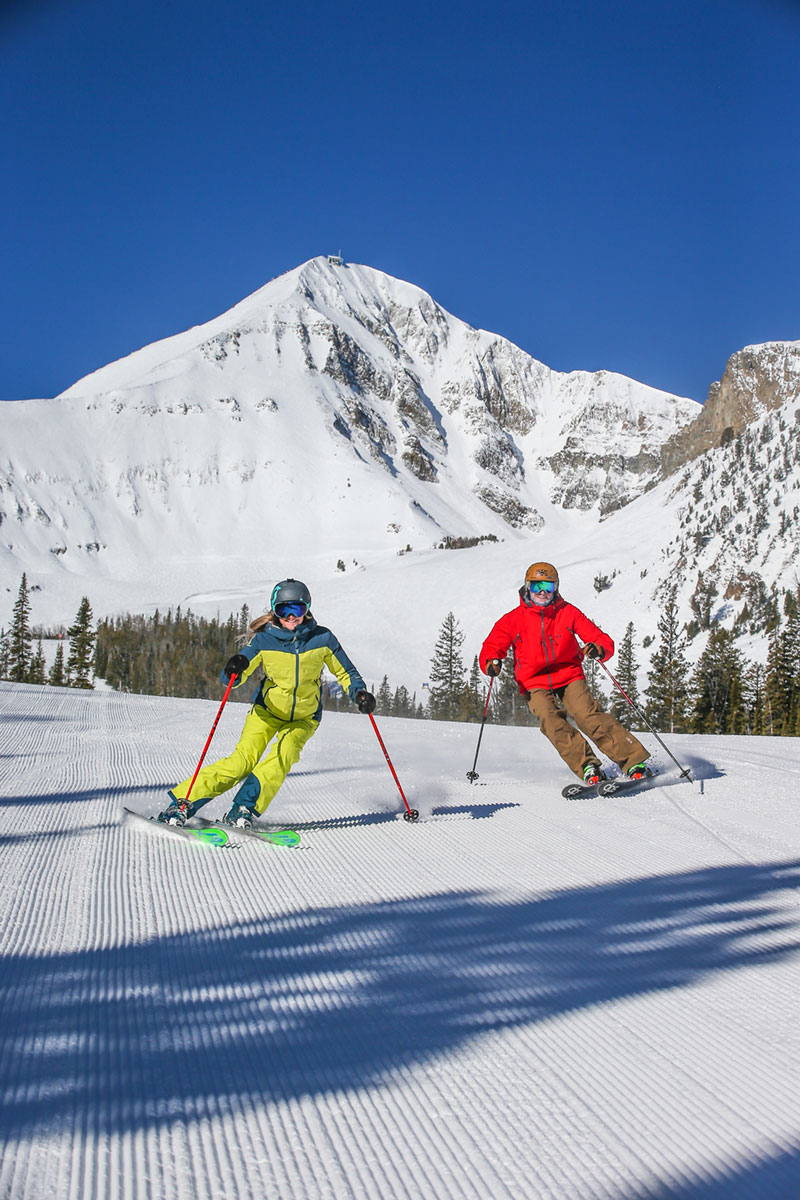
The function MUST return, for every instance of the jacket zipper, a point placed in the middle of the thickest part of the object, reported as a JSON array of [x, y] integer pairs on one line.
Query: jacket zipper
[[552, 651], [296, 678]]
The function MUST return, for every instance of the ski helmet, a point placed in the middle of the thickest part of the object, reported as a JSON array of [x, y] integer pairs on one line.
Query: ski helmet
[[290, 591], [541, 585], [542, 571]]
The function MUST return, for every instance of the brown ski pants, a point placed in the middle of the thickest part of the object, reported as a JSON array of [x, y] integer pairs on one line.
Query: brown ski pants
[[605, 731]]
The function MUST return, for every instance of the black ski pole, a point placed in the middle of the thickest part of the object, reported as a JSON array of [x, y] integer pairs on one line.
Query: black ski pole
[[685, 771], [473, 774]]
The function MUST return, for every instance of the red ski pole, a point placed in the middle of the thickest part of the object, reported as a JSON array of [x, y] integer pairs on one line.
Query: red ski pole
[[411, 814], [185, 801]]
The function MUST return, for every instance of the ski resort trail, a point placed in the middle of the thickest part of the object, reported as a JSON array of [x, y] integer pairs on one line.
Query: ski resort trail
[[518, 997]]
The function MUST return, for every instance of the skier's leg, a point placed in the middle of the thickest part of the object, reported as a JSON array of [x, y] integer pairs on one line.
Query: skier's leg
[[573, 748], [218, 776], [601, 728], [265, 779]]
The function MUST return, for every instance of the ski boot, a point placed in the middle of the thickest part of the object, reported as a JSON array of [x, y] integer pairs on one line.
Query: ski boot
[[639, 771], [241, 815], [592, 774], [178, 811]]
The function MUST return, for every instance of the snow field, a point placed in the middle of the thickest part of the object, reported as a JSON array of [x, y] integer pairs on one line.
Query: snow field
[[519, 996]]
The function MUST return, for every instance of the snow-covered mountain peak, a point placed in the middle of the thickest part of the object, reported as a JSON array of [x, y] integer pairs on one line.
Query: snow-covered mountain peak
[[338, 416]]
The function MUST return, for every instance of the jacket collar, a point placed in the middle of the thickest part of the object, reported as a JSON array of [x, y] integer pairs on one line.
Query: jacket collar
[[289, 635], [550, 608]]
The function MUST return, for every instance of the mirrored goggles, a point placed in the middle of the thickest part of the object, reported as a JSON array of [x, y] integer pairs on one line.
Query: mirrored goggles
[[292, 609], [541, 585]]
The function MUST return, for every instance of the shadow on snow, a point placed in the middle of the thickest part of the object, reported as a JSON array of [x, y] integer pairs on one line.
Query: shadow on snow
[[335, 998]]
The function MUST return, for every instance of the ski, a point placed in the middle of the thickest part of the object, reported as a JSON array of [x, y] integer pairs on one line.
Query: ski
[[209, 835], [273, 837], [579, 791], [613, 787]]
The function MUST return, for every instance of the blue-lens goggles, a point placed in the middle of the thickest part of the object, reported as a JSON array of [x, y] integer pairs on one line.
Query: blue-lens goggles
[[542, 585], [293, 609]]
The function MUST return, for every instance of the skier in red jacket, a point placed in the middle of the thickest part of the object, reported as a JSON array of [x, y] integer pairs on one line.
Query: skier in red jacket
[[548, 668]]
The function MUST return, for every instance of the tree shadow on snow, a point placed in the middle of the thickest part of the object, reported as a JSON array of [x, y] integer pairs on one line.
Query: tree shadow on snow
[[776, 1178], [285, 1006], [83, 796]]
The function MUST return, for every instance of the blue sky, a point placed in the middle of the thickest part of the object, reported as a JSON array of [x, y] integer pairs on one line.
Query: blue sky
[[608, 184]]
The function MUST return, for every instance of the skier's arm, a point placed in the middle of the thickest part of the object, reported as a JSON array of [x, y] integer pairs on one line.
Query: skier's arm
[[587, 631], [340, 665], [498, 641], [242, 664]]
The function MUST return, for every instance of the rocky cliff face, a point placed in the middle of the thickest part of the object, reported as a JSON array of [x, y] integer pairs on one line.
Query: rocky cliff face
[[757, 380]]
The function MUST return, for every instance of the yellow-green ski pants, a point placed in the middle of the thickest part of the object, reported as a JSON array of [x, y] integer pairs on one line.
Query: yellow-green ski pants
[[260, 728]]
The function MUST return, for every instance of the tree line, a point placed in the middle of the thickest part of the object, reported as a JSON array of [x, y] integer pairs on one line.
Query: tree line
[[180, 654], [22, 661], [723, 693]]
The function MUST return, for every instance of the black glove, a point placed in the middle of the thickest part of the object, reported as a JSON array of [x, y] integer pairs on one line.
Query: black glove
[[494, 667], [235, 666], [593, 650], [365, 702]]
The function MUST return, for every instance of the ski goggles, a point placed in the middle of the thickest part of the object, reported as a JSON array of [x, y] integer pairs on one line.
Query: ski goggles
[[541, 585], [291, 609]]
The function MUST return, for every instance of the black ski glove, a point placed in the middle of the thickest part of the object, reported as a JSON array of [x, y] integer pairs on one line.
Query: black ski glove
[[593, 650], [494, 667], [235, 666], [365, 702]]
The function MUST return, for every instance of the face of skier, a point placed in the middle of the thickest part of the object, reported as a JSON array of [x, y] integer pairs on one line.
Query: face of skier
[[290, 615], [542, 592]]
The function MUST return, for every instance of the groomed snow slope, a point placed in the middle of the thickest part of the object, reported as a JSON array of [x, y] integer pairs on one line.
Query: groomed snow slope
[[519, 997]]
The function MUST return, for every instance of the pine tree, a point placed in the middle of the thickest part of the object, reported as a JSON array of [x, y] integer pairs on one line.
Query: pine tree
[[80, 664], [667, 694], [717, 686], [782, 682], [36, 672], [627, 669], [4, 654], [474, 694], [384, 698], [57, 676], [20, 646], [448, 676]]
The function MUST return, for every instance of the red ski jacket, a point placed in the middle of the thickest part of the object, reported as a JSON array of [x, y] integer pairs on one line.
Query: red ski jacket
[[546, 652]]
